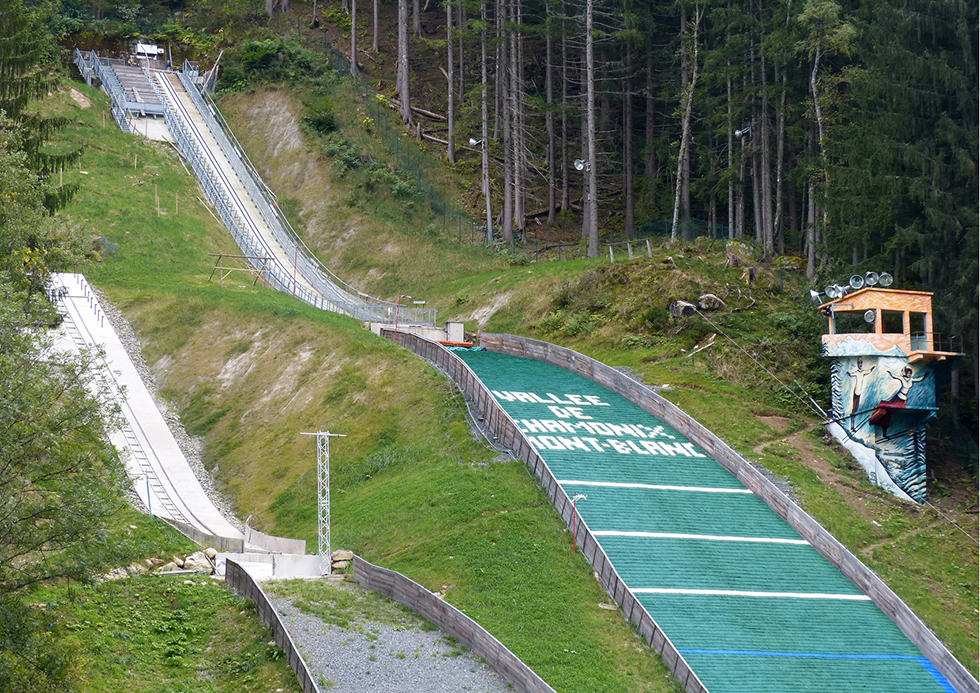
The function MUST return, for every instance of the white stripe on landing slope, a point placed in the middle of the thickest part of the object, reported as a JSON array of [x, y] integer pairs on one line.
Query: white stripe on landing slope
[[705, 537], [655, 487], [746, 593]]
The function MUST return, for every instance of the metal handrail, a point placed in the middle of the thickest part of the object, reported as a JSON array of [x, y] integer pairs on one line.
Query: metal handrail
[[368, 307], [278, 276]]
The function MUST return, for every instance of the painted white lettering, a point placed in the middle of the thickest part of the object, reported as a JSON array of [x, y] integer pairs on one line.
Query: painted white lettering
[[538, 399], [577, 399], [601, 428], [534, 426], [675, 449], [594, 442], [557, 426], [556, 400], [577, 413], [619, 446], [690, 449], [637, 448], [523, 397], [560, 412], [551, 443], [573, 444], [652, 447], [535, 442], [503, 396], [596, 401]]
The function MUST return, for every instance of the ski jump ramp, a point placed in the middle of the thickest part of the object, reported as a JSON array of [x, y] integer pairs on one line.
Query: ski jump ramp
[[737, 588], [162, 477]]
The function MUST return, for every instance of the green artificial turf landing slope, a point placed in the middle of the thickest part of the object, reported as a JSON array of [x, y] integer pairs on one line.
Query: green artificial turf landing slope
[[752, 606]]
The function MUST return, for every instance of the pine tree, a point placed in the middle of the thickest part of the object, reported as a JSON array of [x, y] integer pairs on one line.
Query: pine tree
[[27, 73]]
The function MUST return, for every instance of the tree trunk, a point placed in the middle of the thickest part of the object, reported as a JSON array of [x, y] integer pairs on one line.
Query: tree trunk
[[777, 221], [811, 234], [757, 217], [461, 23], [450, 101], [517, 102], [685, 177], [592, 169], [687, 101], [499, 66], [740, 192], [628, 146], [816, 108], [506, 111], [564, 113], [375, 44], [731, 172], [485, 152], [353, 39], [650, 163], [766, 182], [583, 131], [416, 18], [404, 95], [550, 115]]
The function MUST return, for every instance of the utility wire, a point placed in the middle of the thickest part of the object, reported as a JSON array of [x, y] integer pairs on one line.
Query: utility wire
[[950, 521], [812, 406], [816, 408]]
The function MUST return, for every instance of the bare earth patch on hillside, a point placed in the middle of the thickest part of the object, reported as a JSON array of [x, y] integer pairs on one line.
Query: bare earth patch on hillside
[[828, 474], [79, 98], [776, 423], [286, 159], [483, 314]]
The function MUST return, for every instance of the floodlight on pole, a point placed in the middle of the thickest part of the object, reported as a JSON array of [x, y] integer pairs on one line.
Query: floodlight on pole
[[575, 499], [739, 134], [475, 142], [397, 307], [582, 165], [323, 495]]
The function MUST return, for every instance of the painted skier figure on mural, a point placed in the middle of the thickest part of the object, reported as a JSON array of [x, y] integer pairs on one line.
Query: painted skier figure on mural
[[860, 375], [882, 414]]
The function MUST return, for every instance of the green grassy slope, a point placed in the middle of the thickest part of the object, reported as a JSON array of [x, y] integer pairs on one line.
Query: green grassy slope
[[250, 369]]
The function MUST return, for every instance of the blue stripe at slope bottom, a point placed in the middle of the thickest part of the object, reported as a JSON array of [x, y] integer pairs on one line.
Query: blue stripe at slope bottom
[[926, 664]]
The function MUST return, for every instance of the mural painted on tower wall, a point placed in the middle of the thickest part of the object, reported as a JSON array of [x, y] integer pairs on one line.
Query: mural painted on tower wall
[[883, 402]]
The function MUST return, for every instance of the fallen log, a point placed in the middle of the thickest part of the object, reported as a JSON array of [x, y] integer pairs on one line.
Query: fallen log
[[395, 104]]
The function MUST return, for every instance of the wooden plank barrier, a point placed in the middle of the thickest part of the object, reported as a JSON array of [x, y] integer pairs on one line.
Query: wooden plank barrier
[[503, 428], [243, 583], [452, 621]]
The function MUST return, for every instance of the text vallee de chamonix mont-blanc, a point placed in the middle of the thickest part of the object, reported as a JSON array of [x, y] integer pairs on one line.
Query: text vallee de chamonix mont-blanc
[[571, 428]]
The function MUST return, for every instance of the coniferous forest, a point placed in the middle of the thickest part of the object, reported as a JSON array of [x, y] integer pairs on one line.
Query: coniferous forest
[[842, 136], [832, 137]]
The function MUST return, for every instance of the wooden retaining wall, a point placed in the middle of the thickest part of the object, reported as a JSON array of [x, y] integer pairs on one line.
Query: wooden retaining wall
[[240, 581], [507, 435], [824, 542], [452, 621]]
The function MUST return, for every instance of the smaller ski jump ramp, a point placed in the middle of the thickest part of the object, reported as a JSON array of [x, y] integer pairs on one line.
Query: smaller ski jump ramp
[[161, 475]]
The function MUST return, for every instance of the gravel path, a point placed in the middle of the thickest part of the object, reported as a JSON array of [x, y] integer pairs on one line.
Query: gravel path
[[385, 659]]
